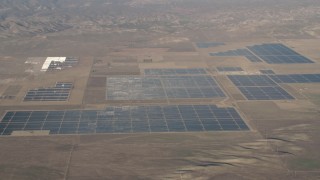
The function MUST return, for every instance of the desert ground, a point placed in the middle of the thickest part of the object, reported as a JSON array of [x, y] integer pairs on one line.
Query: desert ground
[[125, 38]]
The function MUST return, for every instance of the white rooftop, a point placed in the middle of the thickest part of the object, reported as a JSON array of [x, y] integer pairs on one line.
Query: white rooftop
[[48, 61]]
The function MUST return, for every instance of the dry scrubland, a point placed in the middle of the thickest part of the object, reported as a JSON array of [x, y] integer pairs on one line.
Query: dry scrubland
[[125, 37]]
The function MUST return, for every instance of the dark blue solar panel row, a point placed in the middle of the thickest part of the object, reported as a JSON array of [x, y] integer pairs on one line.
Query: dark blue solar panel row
[[259, 87], [209, 44], [264, 93], [278, 54], [238, 52], [162, 87], [131, 119], [253, 58], [266, 71], [251, 80], [221, 69], [285, 59], [296, 78], [273, 49], [191, 71], [60, 92]]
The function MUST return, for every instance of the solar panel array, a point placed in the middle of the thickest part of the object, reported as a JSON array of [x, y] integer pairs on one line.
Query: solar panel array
[[209, 44], [259, 87], [161, 72], [126, 119], [69, 62], [60, 92], [278, 54], [162, 87], [266, 71], [238, 52], [273, 53], [296, 78], [222, 69]]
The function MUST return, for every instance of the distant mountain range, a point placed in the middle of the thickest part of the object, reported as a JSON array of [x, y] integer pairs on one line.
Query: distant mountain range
[[20, 18]]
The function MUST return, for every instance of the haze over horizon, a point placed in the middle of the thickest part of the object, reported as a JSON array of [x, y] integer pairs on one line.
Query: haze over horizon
[[159, 89]]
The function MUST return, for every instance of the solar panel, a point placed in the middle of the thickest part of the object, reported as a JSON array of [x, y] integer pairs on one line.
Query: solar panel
[[162, 87], [126, 119], [265, 93], [69, 62], [226, 69], [60, 92], [251, 80], [259, 87], [275, 53], [266, 71], [253, 58], [296, 78]]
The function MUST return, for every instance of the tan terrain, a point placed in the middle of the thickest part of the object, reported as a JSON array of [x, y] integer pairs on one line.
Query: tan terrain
[[113, 38]]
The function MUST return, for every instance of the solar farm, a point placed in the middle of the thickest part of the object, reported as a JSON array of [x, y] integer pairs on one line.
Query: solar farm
[[159, 89], [155, 99], [278, 54], [58, 63], [164, 87], [259, 87], [60, 92], [183, 118], [272, 53], [234, 97]]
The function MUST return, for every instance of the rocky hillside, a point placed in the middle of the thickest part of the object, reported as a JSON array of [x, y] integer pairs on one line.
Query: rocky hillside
[[20, 18]]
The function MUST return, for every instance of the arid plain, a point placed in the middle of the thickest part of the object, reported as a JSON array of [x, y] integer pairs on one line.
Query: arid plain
[[112, 38]]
